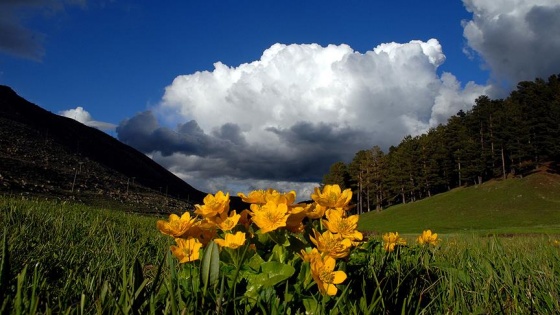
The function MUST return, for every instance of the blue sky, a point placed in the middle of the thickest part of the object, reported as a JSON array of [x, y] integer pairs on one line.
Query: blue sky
[[234, 95], [115, 59]]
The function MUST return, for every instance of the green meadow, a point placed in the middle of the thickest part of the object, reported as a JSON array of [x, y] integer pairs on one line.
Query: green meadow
[[518, 205], [499, 253]]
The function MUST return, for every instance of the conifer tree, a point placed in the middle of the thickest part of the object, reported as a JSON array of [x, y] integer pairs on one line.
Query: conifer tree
[[337, 175]]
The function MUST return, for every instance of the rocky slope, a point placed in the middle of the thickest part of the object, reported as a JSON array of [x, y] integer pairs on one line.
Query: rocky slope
[[47, 155]]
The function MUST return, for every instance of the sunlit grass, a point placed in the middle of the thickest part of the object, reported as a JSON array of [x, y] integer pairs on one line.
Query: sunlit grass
[[527, 205]]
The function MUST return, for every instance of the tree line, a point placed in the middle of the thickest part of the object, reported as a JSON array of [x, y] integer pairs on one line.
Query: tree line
[[497, 138]]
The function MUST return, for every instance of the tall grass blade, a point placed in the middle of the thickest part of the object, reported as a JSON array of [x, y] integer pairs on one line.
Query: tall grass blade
[[4, 269]]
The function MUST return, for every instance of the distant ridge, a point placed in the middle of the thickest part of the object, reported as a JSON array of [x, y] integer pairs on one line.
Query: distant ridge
[[47, 154]]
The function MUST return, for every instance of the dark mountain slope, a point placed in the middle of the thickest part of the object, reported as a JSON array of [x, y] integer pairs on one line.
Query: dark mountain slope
[[47, 154]]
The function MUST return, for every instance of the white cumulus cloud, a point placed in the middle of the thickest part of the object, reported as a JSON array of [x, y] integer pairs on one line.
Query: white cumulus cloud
[[518, 40], [83, 116], [286, 117]]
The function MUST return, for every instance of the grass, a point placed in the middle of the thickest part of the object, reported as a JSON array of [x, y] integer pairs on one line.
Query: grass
[[490, 275], [74, 248], [75, 259], [519, 205]]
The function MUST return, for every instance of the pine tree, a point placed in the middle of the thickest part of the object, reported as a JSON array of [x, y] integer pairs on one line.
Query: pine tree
[[358, 170], [337, 175], [376, 179], [493, 139]]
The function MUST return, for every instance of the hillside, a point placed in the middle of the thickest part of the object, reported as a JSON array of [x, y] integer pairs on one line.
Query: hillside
[[44, 154], [514, 205]]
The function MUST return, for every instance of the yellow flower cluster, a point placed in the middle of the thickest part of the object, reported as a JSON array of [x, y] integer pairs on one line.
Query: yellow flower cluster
[[391, 240], [341, 235], [427, 238], [192, 233], [271, 210]]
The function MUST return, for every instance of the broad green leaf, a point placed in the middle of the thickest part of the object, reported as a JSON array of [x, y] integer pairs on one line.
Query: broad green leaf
[[274, 272], [255, 262], [210, 268], [271, 273], [279, 254]]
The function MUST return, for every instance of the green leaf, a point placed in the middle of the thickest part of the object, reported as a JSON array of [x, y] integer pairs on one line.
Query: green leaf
[[311, 306], [279, 254], [296, 244], [271, 273], [210, 268], [279, 237], [264, 238], [255, 262]]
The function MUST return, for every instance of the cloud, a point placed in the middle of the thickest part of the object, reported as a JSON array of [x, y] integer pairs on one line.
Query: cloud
[[286, 117], [17, 39], [518, 40], [81, 115]]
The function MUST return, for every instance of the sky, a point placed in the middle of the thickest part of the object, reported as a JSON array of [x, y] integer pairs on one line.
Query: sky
[[242, 95]]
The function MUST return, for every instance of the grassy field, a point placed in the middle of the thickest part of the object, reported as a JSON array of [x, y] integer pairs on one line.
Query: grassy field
[[63, 258], [72, 251], [520, 205]]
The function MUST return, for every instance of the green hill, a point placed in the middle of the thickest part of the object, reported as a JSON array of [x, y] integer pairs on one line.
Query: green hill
[[518, 205]]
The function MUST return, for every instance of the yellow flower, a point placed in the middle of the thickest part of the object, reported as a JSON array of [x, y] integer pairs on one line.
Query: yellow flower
[[270, 216], [207, 235], [261, 197], [186, 250], [330, 244], [231, 240], [337, 223], [295, 217], [177, 226], [245, 218], [286, 198], [332, 196], [213, 205], [310, 256], [255, 196], [428, 238], [203, 230], [322, 271], [316, 211], [225, 222], [390, 240]]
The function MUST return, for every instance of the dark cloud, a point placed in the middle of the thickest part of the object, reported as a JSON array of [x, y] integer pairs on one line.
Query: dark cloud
[[518, 40], [321, 137], [305, 154], [318, 145], [231, 132], [137, 131], [144, 133], [17, 39]]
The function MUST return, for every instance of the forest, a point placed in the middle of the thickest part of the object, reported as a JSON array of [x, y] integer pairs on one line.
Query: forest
[[496, 139]]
